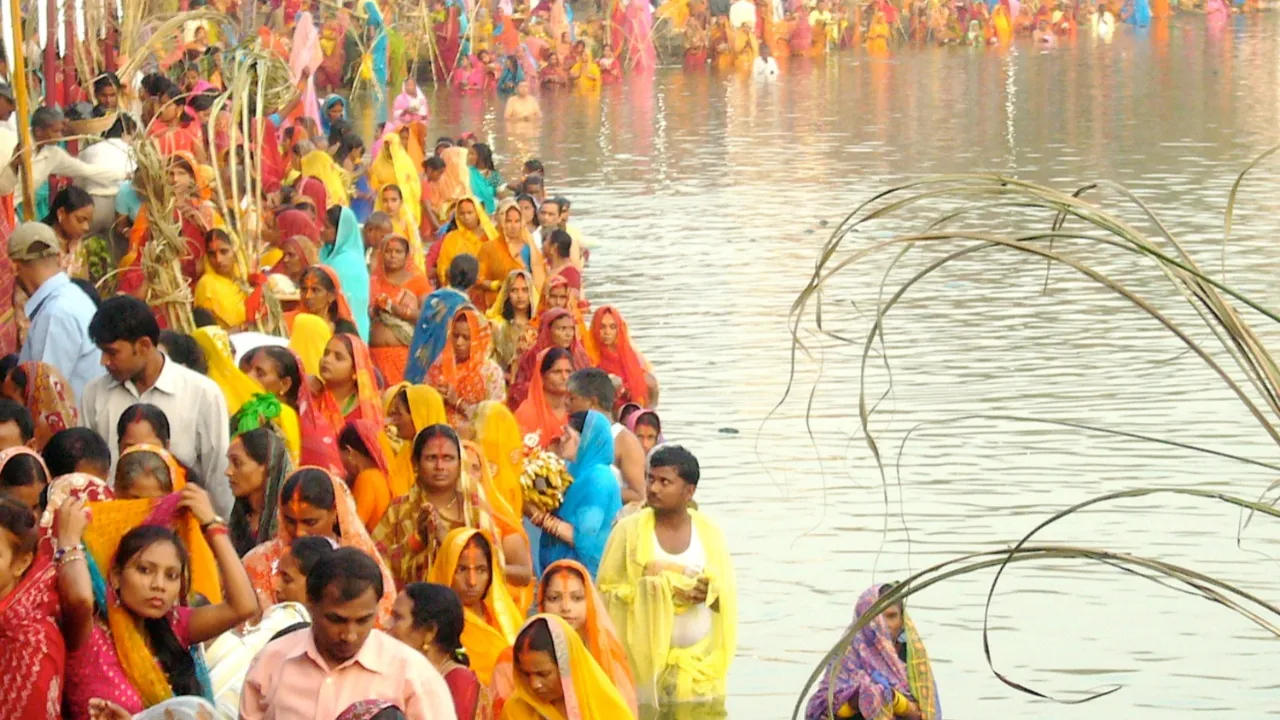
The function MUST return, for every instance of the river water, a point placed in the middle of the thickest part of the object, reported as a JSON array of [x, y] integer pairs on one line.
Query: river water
[[707, 197]]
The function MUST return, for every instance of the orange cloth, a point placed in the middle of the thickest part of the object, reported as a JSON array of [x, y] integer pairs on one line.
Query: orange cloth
[[372, 496], [324, 407], [390, 361], [465, 379], [536, 415]]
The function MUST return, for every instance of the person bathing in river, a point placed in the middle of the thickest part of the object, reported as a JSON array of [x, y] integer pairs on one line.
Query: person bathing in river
[[885, 673], [592, 389]]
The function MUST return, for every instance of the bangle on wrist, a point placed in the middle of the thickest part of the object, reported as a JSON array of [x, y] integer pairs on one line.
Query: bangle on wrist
[[216, 529]]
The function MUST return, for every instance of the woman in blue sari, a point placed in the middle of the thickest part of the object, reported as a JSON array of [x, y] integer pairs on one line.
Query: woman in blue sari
[[432, 330], [343, 251], [579, 528], [512, 75]]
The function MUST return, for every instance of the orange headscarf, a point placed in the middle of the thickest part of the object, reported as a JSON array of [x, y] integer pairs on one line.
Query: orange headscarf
[[507, 519], [464, 378], [535, 414], [598, 633], [621, 359], [368, 400]]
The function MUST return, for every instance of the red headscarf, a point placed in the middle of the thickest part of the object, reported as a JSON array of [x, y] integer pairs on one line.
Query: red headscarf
[[314, 189], [296, 222], [529, 362], [621, 359], [324, 407]]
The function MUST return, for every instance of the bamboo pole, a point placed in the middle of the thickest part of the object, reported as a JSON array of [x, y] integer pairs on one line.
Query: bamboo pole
[[23, 107]]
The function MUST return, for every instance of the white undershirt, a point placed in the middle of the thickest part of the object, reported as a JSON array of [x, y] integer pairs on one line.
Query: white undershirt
[[694, 623]]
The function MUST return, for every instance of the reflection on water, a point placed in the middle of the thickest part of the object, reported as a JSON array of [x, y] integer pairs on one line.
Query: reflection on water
[[703, 195]]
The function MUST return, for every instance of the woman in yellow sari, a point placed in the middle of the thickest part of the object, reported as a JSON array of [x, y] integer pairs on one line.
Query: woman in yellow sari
[[320, 165], [238, 388], [557, 678], [509, 520], [469, 563], [468, 231], [222, 288], [409, 410], [499, 436], [514, 250], [393, 166], [308, 339]]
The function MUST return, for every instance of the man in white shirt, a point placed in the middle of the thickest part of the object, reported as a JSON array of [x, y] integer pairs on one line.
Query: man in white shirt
[[47, 126], [138, 372], [554, 215], [112, 153]]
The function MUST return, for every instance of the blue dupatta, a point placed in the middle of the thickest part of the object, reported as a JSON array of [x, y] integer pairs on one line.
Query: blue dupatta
[[591, 502]]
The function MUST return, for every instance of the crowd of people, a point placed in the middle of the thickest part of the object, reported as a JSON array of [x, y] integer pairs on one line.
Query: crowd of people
[[329, 519], [305, 492]]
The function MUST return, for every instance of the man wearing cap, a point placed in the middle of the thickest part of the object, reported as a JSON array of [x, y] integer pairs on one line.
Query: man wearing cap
[[47, 126], [58, 310]]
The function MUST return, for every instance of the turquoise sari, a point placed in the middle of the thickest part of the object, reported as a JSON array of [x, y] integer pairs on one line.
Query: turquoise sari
[[346, 257]]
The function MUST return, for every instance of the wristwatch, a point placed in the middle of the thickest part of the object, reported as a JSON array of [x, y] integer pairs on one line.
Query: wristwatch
[[217, 520]]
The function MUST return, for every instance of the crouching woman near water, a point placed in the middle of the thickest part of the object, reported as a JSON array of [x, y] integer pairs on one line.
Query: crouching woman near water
[[884, 674]]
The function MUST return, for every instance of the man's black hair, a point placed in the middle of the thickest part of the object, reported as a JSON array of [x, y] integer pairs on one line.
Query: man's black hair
[[123, 317], [11, 411], [350, 570], [677, 457]]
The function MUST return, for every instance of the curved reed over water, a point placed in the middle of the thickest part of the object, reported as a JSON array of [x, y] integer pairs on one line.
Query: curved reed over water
[[961, 212]]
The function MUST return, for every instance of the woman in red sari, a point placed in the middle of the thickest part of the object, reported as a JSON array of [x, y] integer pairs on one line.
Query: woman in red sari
[[464, 374], [617, 357], [556, 328], [32, 651], [346, 389], [195, 214]]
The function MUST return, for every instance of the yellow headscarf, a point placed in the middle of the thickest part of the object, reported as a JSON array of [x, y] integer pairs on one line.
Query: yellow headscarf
[[588, 691], [309, 337], [483, 637], [321, 166], [427, 408], [224, 296], [112, 520], [461, 241], [239, 388], [499, 436], [393, 165]]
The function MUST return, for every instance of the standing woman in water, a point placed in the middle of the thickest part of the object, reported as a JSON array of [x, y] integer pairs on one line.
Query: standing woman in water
[[884, 674], [557, 678]]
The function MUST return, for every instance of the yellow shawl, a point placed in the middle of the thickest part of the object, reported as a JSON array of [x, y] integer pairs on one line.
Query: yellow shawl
[[427, 408], [238, 388], [643, 608], [321, 166], [309, 336], [483, 637], [393, 166], [588, 691]]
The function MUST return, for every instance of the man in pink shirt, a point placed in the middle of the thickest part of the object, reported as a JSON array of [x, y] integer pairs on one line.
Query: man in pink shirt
[[315, 674]]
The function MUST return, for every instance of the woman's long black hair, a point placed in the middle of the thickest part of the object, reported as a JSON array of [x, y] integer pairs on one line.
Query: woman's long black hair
[[176, 661], [438, 607]]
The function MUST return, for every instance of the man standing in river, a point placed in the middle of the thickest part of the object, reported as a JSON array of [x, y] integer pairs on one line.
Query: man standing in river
[[668, 583]]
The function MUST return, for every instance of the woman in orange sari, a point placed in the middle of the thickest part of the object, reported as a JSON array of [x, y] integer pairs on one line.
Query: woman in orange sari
[[321, 295], [366, 468], [464, 374], [318, 503], [566, 590], [492, 618], [512, 251], [345, 389], [618, 358], [545, 411], [396, 290]]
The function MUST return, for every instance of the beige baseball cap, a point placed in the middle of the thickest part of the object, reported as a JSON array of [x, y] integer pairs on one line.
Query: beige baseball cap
[[33, 241]]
